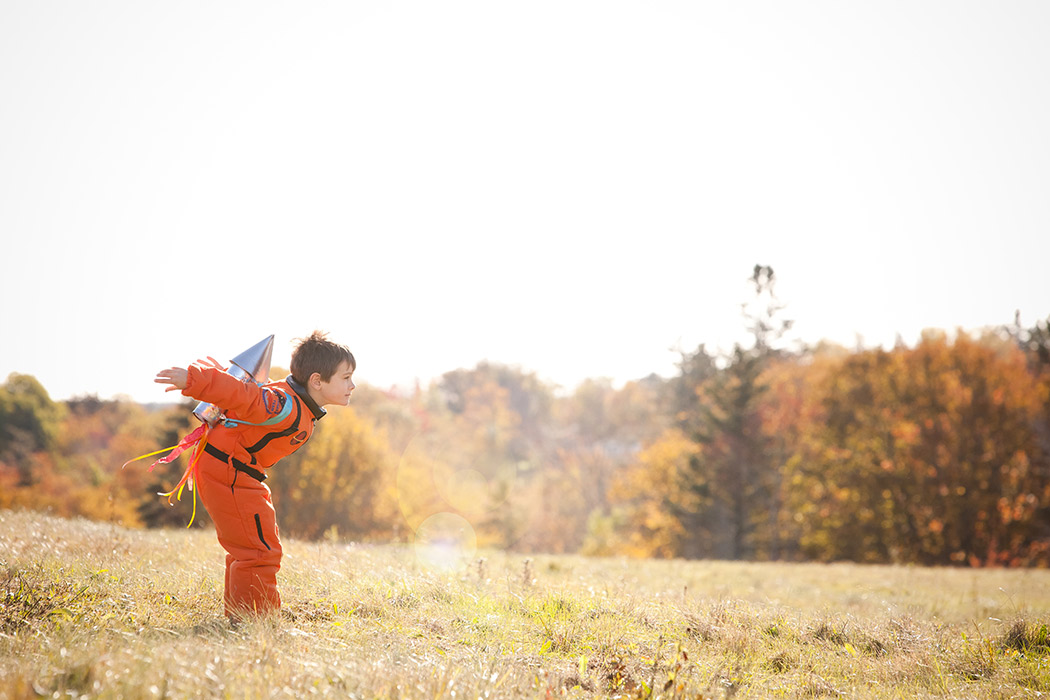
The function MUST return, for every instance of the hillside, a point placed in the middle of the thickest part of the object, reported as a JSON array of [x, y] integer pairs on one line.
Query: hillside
[[94, 610]]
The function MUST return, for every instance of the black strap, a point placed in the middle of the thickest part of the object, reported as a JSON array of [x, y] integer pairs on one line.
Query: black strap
[[236, 463], [282, 433]]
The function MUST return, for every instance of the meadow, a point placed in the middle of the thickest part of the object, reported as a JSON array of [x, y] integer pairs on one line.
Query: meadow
[[94, 610]]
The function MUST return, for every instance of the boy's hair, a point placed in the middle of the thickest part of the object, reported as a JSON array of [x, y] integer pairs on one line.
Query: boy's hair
[[318, 354]]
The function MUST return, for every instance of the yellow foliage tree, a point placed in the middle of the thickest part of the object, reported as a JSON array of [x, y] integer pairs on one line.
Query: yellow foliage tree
[[649, 496], [341, 482]]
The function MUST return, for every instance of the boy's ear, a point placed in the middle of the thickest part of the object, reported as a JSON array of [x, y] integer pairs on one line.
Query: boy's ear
[[315, 380]]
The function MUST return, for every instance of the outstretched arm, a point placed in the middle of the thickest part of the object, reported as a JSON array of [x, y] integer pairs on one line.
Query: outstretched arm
[[207, 380], [178, 376]]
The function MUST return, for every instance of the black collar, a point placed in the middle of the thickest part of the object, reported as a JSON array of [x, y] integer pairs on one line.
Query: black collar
[[299, 389]]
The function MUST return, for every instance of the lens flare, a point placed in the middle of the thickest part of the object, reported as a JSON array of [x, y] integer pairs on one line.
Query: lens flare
[[445, 541]]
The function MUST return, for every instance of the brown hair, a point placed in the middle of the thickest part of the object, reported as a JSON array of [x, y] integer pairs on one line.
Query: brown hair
[[318, 354]]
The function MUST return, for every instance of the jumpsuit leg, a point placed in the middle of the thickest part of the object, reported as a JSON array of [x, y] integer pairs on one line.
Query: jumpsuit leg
[[246, 526]]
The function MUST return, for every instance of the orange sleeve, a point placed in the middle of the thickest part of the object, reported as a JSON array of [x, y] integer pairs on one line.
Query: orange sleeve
[[244, 400]]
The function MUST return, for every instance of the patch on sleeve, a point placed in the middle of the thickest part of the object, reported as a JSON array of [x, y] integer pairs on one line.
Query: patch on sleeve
[[273, 401]]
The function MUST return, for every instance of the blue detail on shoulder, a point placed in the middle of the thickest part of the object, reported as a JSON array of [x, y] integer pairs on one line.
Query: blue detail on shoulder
[[285, 411]]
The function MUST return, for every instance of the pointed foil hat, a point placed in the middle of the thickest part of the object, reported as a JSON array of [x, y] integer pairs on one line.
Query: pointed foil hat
[[251, 365], [256, 360]]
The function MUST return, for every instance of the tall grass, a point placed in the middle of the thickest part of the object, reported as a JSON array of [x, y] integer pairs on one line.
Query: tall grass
[[92, 610]]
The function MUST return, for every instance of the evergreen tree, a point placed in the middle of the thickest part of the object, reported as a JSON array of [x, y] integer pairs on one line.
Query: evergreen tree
[[734, 480]]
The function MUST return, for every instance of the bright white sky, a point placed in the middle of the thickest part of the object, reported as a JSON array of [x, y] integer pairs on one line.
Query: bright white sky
[[573, 186]]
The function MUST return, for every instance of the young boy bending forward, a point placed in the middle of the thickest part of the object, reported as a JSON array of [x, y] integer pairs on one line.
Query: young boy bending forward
[[233, 467]]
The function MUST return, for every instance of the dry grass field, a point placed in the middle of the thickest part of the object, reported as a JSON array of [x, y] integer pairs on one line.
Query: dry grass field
[[97, 611]]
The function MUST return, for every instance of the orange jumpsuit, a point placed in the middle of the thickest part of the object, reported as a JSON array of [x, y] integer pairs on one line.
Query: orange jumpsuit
[[231, 472]]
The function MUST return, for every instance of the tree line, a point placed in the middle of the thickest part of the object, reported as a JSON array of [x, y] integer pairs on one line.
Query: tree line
[[936, 453]]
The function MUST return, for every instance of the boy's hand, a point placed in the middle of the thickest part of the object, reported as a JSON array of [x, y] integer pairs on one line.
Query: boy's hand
[[176, 376]]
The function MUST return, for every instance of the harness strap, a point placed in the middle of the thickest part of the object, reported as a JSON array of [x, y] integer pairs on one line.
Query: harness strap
[[292, 426], [235, 463]]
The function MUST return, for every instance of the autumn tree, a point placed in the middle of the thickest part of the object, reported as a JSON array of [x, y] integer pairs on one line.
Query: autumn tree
[[29, 423], [649, 498], [340, 482], [927, 454], [598, 431]]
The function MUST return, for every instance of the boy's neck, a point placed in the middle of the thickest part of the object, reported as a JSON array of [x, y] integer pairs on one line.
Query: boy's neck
[[306, 394], [317, 398]]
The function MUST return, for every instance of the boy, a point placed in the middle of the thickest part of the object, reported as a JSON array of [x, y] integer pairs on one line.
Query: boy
[[233, 467]]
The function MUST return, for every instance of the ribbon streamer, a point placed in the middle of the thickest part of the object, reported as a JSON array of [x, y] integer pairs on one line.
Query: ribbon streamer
[[197, 439]]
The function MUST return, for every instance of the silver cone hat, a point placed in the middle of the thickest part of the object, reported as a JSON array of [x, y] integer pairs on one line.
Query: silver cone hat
[[252, 364], [256, 360]]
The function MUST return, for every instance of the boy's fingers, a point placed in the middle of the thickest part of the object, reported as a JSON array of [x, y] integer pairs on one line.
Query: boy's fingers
[[174, 376]]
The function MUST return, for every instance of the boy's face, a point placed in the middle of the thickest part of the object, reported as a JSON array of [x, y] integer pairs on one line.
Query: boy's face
[[337, 389]]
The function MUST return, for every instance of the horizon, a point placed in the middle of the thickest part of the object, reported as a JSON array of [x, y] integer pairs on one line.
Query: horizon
[[559, 389]]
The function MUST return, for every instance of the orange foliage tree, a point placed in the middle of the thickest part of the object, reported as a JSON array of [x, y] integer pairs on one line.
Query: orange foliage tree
[[65, 457], [925, 454]]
